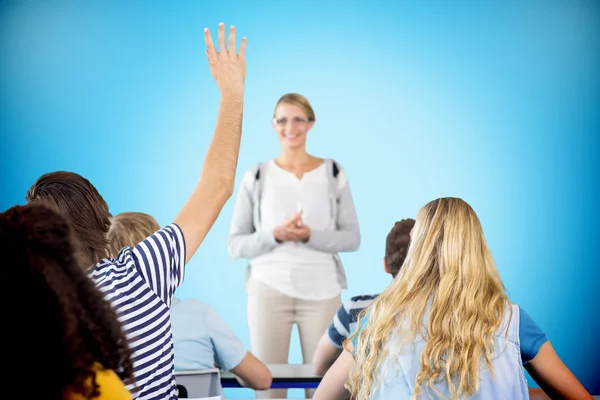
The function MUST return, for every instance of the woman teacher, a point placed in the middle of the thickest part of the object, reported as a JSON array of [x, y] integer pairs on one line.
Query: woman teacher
[[292, 216]]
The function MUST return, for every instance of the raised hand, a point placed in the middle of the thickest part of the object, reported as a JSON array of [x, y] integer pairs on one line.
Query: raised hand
[[227, 67]]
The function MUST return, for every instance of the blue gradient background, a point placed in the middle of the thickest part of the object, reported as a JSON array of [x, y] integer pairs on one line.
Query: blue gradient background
[[493, 101]]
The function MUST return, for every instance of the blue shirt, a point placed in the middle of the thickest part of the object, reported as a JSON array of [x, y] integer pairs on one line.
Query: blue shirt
[[202, 338], [140, 284]]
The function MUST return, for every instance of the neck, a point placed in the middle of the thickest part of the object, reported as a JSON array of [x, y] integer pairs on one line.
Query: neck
[[293, 157]]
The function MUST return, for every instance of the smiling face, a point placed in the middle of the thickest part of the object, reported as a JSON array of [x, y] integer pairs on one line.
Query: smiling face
[[292, 120]]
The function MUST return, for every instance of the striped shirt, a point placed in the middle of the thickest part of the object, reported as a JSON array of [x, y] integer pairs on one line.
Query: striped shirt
[[140, 284], [345, 321]]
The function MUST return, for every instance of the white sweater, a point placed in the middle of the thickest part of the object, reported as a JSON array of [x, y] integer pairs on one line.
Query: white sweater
[[294, 268]]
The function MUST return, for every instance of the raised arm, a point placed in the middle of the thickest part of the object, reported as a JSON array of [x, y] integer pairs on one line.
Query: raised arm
[[217, 177]]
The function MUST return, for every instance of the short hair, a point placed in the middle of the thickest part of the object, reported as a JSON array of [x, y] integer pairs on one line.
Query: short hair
[[85, 210], [56, 312], [128, 229], [397, 243], [299, 101]]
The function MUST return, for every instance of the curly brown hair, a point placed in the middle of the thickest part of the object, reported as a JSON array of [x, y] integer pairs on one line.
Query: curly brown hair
[[56, 315], [396, 245]]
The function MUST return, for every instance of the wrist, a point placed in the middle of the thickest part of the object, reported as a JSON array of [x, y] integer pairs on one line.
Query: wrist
[[232, 94], [275, 237], [307, 238]]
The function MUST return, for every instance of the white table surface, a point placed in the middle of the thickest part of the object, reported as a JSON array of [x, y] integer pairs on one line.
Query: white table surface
[[284, 371]]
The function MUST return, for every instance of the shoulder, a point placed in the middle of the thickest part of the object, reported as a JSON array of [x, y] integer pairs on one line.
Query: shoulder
[[253, 173], [110, 387], [361, 301], [337, 172], [353, 307], [113, 267], [531, 336], [193, 305]]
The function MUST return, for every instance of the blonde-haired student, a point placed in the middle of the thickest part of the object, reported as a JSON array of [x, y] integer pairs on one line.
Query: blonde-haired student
[[445, 326]]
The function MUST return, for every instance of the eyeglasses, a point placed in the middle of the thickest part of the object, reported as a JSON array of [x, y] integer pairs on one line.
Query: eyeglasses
[[294, 121]]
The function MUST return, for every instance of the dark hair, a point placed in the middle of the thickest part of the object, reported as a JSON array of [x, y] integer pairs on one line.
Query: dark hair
[[79, 202], [59, 331], [396, 245]]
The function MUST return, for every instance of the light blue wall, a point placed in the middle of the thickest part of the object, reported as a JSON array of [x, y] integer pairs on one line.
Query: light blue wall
[[495, 102]]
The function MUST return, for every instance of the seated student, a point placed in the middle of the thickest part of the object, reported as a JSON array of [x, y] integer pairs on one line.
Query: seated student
[[344, 322], [445, 326], [140, 281], [63, 339], [201, 337]]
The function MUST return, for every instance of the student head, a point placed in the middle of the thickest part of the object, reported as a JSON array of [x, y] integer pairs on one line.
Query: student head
[[58, 326], [292, 119], [448, 269], [128, 229], [396, 246], [79, 202]]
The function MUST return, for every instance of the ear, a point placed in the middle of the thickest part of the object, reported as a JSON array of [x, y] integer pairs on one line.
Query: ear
[[310, 125], [385, 266]]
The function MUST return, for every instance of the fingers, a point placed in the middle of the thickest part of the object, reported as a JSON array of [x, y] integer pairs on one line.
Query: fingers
[[243, 48], [293, 220], [232, 40], [221, 35], [210, 46]]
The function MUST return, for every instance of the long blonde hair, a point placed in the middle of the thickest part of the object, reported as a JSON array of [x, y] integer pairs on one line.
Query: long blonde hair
[[129, 229], [449, 269]]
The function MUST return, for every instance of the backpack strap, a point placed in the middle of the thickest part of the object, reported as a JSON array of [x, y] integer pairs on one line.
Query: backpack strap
[[257, 189], [336, 169]]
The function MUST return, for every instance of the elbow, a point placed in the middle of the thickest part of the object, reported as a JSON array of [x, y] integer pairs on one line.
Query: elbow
[[264, 381], [225, 189], [220, 187], [319, 368], [231, 249], [355, 242]]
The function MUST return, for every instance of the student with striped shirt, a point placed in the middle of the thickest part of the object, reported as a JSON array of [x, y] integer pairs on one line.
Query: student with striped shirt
[[140, 281], [344, 322]]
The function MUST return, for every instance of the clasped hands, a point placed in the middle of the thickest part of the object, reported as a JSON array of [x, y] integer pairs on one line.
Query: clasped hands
[[292, 230]]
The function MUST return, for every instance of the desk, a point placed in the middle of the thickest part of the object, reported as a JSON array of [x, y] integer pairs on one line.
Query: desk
[[285, 376]]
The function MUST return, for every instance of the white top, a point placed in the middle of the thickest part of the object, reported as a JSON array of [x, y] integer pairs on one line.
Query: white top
[[292, 267]]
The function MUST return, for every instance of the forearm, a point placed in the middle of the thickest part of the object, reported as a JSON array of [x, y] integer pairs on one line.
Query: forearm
[[325, 355], [250, 245], [220, 163], [334, 241], [216, 182]]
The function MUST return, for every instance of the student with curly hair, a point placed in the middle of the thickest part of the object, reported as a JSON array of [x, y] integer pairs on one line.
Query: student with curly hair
[[445, 326], [55, 315], [344, 323]]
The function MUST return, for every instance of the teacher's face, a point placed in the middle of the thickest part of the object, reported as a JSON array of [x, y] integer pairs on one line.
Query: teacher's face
[[291, 124]]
